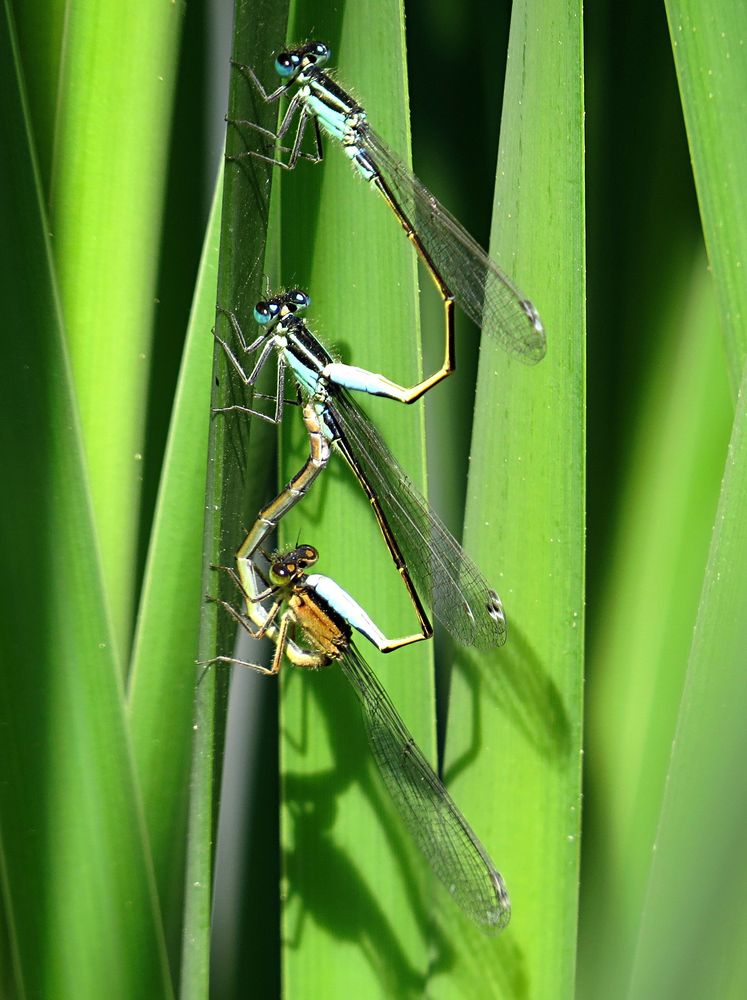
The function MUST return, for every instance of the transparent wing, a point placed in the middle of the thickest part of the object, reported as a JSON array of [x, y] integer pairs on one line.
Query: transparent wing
[[445, 576], [441, 832], [480, 287]]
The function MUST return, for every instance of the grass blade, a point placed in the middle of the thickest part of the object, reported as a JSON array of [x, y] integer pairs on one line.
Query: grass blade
[[711, 61], [515, 716], [107, 193], [340, 242], [646, 609], [76, 868], [712, 72], [40, 28], [690, 937], [166, 638], [236, 464]]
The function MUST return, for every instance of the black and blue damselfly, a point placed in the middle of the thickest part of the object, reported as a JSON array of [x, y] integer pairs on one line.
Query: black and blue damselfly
[[428, 557], [458, 265]]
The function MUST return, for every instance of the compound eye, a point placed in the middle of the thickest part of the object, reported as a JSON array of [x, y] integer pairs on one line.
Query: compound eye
[[299, 298], [322, 52], [262, 312], [310, 554], [285, 64]]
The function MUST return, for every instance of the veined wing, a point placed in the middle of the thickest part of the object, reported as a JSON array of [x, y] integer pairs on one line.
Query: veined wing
[[435, 823], [482, 289], [446, 577]]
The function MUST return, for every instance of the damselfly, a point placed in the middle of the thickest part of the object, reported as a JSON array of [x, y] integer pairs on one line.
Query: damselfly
[[459, 267], [423, 549], [325, 615]]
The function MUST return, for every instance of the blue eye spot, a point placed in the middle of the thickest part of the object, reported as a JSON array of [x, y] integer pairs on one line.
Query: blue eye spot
[[262, 313], [284, 65]]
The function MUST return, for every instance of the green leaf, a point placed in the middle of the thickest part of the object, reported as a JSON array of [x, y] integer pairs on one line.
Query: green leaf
[[515, 714], [236, 475], [690, 939], [78, 889], [167, 632], [646, 609], [40, 28], [368, 934], [107, 195], [711, 60]]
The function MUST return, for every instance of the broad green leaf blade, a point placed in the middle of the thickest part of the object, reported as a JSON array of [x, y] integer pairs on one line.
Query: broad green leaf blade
[[167, 632], [646, 611], [357, 907], [690, 940], [516, 714], [78, 888], [711, 59], [108, 180], [712, 70], [40, 28], [237, 466]]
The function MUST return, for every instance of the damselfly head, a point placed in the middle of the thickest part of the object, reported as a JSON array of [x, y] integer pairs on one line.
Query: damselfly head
[[267, 312], [289, 63], [306, 555], [287, 566]]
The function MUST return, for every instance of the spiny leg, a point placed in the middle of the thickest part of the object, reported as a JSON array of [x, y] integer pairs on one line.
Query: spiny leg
[[267, 350], [295, 150], [280, 643], [249, 380], [265, 623], [248, 72], [265, 620], [258, 633], [258, 598]]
